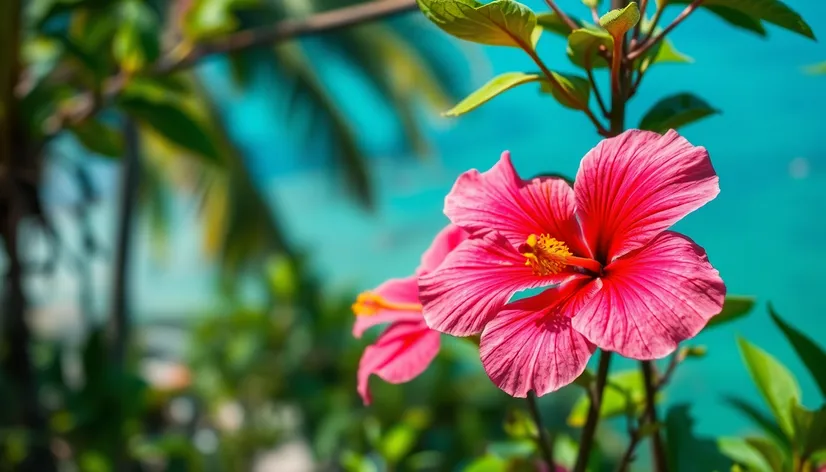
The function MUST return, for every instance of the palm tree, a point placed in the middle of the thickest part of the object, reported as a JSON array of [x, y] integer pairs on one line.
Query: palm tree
[[83, 67]]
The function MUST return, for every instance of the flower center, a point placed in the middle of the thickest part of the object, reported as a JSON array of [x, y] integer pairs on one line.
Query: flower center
[[369, 303], [544, 254], [549, 256]]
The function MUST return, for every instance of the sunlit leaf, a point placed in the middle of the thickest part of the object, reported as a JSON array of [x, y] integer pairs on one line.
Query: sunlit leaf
[[816, 69], [734, 307], [675, 112], [770, 451], [620, 21], [812, 355], [584, 45], [663, 52], [573, 91], [494, 87], [624, 393], [774, 381], [487, 463], [136, 39], [499, 23], [99, 137], [740, 451], [770, 11], [520, 425]]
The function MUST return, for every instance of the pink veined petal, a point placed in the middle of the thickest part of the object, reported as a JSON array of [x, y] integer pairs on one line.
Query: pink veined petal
[[634, 186], [400, 354], [531, 345], [394, 290], [474, 282], [652, 299], [499, 200], [447, 240]]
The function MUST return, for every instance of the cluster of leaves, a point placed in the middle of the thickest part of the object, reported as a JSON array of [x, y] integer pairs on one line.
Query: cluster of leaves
[[93, 63], [512, 24]]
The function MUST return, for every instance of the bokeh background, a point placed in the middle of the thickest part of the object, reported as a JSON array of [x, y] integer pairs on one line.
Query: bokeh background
[[229, 347]]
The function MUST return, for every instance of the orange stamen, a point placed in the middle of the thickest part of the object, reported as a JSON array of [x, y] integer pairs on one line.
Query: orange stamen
[[369, 303], [548, 256]]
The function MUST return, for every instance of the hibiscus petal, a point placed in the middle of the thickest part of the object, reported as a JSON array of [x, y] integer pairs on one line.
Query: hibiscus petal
[[400, 354], [397, 291], [634, 186], [499, 200], [652, 299], [531, 345], [447, 240], [474, 282]]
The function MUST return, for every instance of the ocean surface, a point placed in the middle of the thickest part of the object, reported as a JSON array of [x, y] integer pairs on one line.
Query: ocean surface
[[766, 232]]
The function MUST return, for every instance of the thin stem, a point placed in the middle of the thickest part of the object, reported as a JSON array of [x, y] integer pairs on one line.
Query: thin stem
[[555, 83], [288, 29], [656, 20], [562, 16], [586, 441], [595, 15], [628, 456], [651, 42], [594, 87], [657, 446], [676, 358], [616, 63], [638, 27], [542, 438], [323, 22]]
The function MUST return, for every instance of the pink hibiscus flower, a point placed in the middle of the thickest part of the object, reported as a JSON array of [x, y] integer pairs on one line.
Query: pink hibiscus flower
[[407, 346], [620, 280]]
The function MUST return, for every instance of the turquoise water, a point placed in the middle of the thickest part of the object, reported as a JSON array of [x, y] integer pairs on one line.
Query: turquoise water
[[765, 232]]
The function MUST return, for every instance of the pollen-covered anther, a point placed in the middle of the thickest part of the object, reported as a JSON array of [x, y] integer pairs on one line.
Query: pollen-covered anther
[[369, 303], [544, 254]]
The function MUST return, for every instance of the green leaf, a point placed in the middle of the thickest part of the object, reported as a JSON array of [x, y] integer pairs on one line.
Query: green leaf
[[624, 393], [591, 3], [575, 91], [550, 21], [770, 11], [618, 22], [734, 307], [519, 425], [768, 425], [584, 45], [491, 89], [675, 112], [99, 138], [398, 442], [809, 429], [739, 20], [773, 455], [777, 385], [205, 19], [816, 69], [740, 451], [136, 39], [512, 449], [663, 52], [487, 464], [173, 122], [812, 355], [499, 23]]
